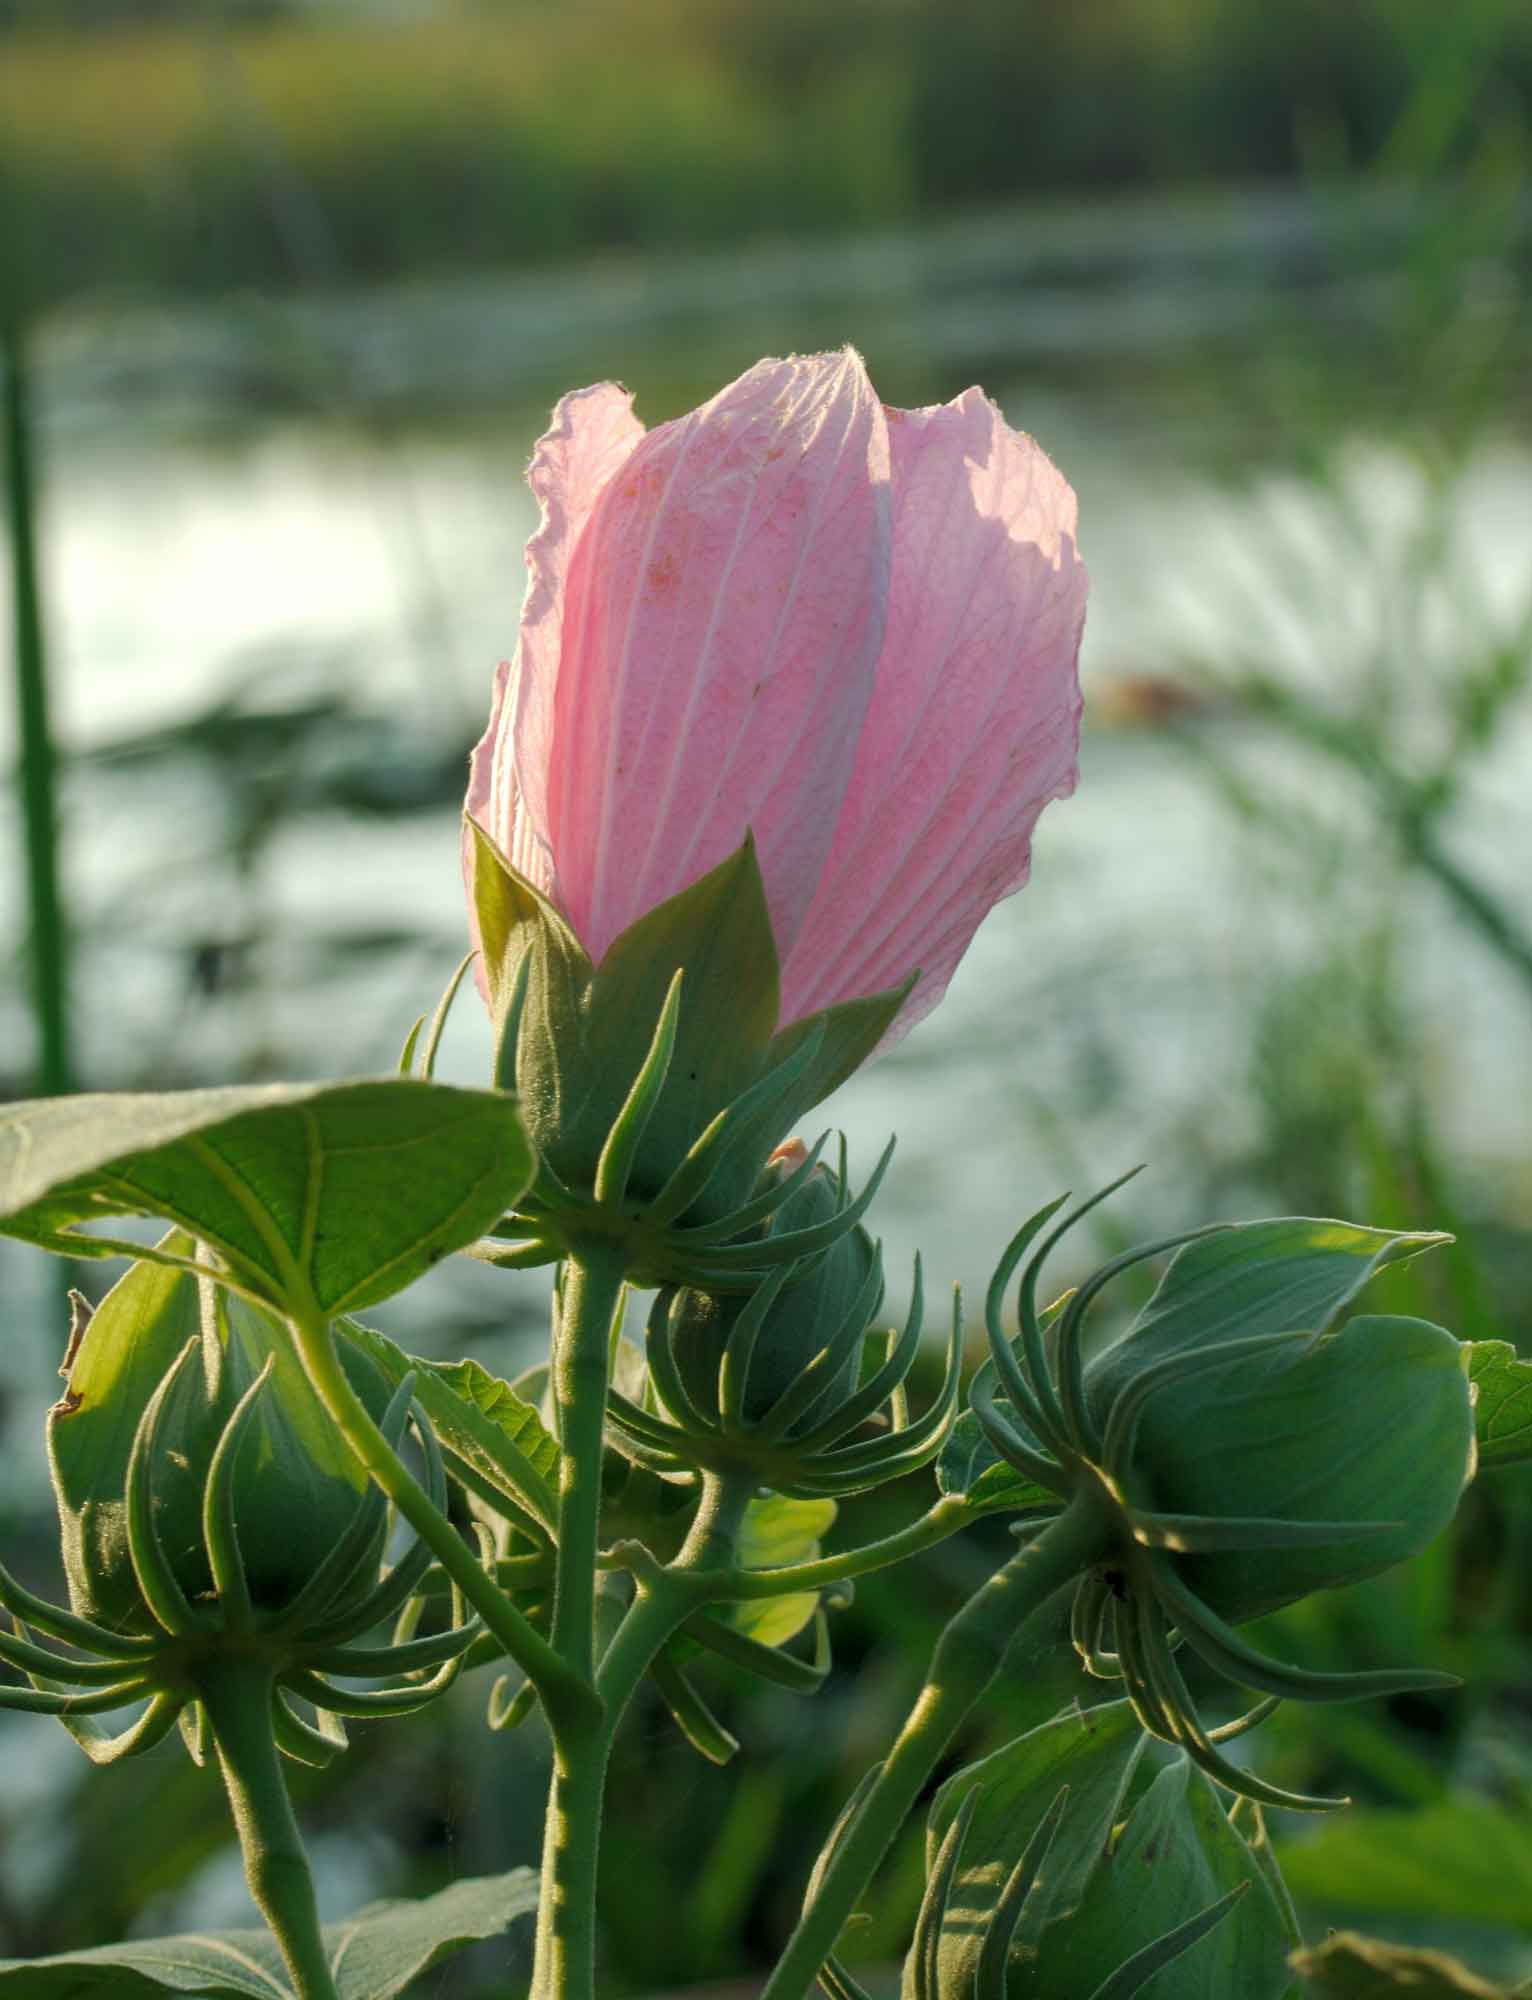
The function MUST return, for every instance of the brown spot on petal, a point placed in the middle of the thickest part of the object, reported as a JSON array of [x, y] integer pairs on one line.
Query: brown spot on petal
[[664, 572]]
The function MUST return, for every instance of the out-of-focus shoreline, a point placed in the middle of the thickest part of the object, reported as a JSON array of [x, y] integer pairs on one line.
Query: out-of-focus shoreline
[[198, 157]]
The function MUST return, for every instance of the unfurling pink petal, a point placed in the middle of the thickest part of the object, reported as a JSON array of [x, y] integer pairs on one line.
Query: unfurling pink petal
[[593, 432], [723, 616], [850, 632], [974, 725]]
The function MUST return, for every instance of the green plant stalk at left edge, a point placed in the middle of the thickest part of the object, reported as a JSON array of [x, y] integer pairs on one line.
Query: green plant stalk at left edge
[[564, 1966], [238, 1704], [46, 938], [969, 1654]]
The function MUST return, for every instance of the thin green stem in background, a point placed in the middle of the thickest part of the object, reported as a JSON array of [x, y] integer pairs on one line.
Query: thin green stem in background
[[1487, 914], [238, 1705], [969, 1654], [47, 943]]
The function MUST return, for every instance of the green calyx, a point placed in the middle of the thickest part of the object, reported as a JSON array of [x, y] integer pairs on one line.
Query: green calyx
[[1239, 1448], [655, 1084], [774, 1383], [1371, 1424], [214, 1526], [1062, 1868]]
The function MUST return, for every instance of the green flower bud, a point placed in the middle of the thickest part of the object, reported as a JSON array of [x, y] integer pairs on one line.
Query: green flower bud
[[117, 1358], [1241, 1446], [294, 1487], [1060, 1869], [826, 1310], [1175, 1864], [771, 1384], [216, 1532], [1370, 1425]]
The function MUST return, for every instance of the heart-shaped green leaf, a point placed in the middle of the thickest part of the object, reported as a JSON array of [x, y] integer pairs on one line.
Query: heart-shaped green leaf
[[1175, 1856], [318, 1197], [379, 1951], [373, 1955], [1093, 1752], [1503, 1404]]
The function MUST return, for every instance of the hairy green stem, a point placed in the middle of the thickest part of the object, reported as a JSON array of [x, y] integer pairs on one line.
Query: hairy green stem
[[665, 1599], [564, 1968], [238, 1704], [47, 944], [590, 1286], [563, 1691], [969, 1654]]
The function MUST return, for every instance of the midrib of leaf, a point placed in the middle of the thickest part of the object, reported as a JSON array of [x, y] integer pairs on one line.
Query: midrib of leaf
[[259, 1216], [299, 1277], [352, 1932], [313, 1188], [376, 1271], [216, 1946]]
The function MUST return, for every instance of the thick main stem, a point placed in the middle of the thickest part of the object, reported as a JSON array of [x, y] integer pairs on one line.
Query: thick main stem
[[590, 1285], [564, 1968], [969, 1654], [564, 1963], [589, 1288], [238, 1704]]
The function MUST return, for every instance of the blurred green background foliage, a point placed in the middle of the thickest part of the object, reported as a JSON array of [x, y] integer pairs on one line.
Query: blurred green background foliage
[[289, 290], [159, 144]]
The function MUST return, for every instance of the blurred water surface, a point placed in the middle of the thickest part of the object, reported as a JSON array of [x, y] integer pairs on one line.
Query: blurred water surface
[[283, 555]]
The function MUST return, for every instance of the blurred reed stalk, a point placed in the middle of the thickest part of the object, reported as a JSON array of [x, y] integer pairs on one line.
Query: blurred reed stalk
[[47, 945]]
